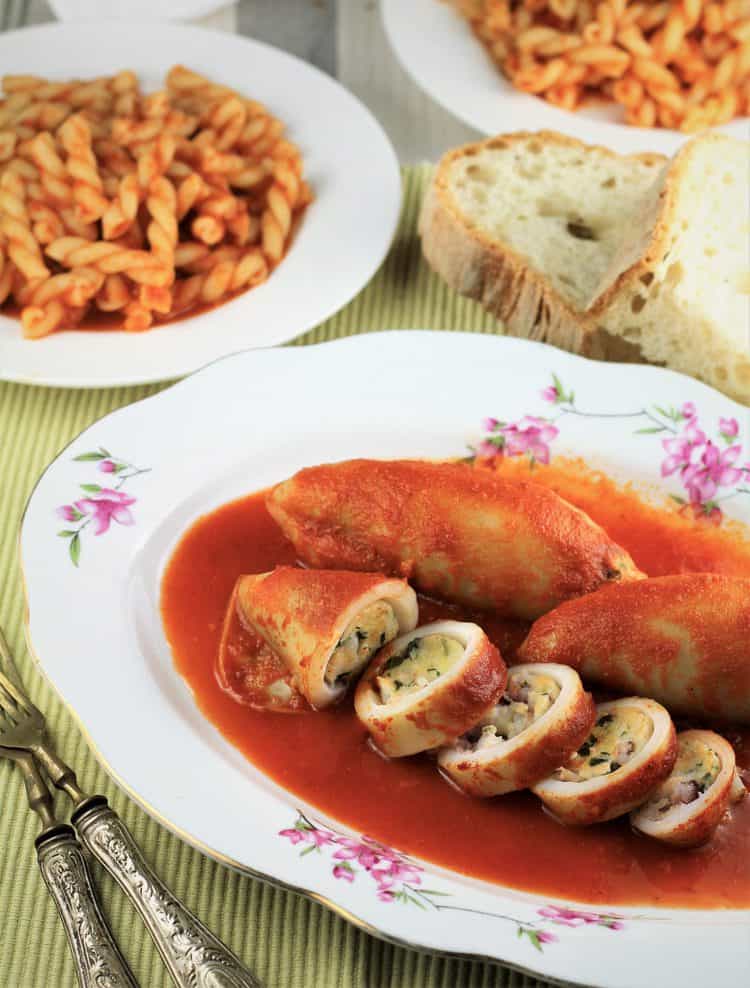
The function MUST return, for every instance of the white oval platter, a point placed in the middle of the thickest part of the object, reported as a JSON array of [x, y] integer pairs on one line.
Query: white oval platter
[[250, 420]]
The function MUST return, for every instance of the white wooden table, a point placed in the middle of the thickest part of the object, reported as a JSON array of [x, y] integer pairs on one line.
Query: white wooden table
[[344, 38]]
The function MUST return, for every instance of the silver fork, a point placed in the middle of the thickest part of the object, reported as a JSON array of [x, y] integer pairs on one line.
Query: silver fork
[[97, 959], [194, 957]]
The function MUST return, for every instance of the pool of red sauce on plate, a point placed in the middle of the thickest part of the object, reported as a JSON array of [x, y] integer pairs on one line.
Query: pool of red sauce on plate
[[324, 758]]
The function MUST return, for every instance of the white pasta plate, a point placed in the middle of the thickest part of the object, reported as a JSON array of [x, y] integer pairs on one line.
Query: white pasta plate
[[212, 438], [342, 239], [438, 50]]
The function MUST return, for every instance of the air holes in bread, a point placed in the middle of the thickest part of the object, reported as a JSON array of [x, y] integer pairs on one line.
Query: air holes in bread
[[479, 174], [547, 207], [580, 230], [675, 273], [637, 303]]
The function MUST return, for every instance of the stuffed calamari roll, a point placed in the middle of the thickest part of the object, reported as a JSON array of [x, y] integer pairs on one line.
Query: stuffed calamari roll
[[542, 719], [462, 533], [325, 624], [429, 686], [688, 806], [684, 640], [631, 749]]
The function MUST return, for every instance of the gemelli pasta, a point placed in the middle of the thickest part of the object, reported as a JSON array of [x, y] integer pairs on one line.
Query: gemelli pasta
[[140, 206], [682, 64]]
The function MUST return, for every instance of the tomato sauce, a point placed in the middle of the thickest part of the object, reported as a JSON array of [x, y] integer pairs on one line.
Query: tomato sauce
[[324, 758]]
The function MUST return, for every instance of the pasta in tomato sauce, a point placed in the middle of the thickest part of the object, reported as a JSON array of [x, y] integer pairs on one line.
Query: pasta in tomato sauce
[[682, 64], [140, 206]]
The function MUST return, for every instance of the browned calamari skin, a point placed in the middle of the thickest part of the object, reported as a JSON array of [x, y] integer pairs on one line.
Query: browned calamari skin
[[263, 666], [291, 600], [699, 830], [466, 535], [683, 640]]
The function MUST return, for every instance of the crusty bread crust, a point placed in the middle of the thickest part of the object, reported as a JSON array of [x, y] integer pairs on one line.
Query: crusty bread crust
[[485, 269]]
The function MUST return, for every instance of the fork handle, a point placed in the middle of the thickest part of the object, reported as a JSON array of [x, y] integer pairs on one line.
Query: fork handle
[[194, 957], [98, 961]]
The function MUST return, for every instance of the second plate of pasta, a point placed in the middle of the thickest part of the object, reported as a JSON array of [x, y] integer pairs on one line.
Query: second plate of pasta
[[174, 195], [624, 89]]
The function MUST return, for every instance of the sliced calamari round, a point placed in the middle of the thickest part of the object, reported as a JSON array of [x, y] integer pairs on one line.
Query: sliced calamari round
[[542, 719], [429, 686], [688, 806], [631, 749]]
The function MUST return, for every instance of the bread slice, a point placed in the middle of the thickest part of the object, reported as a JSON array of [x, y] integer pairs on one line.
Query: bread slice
[[529, 225], [679, 286], [622, 258]]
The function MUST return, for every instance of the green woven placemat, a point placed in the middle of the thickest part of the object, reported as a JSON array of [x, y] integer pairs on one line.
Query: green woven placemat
[[288, 940]]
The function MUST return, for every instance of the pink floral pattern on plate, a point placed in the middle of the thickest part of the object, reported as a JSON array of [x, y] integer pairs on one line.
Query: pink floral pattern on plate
[[101, 506], [710, 471], [398, 879]]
